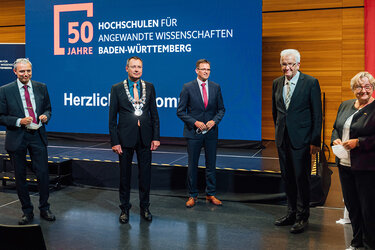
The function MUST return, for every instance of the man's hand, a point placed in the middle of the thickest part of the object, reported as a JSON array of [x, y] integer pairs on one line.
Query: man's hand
[[314, 149], [337, 142], [155, 145], [210, 124], [350, 144], [117, 149], [200, 125], [26, 121], [43, 118]]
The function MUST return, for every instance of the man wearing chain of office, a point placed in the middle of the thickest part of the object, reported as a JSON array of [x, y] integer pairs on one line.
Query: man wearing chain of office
[[134, 126]]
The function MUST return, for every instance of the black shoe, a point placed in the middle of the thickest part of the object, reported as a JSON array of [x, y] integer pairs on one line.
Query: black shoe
[[26, 219], [47, 215], [299, 226], [286, 220], [124, 217], [146, 214]]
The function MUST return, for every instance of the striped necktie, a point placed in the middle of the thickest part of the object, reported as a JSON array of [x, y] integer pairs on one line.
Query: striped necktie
[[288, 95]]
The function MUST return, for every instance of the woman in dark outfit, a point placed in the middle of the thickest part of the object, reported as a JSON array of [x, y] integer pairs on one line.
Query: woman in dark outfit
[[354, 129]]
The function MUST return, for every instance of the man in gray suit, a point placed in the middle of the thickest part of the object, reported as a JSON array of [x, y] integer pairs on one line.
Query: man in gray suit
[[297, 114], [201, 108], [24, 109]]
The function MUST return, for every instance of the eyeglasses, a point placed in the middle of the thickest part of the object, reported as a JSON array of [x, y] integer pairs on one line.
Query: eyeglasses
[[290, 65], [366, 87], [208, 70]]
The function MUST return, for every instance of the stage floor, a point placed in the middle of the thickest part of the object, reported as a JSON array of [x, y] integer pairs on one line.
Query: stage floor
[[87, 218]]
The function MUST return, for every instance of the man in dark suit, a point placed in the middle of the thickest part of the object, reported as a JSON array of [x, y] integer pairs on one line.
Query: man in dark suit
[[297, 114], [24, 109], [201, 108], [134, 125]]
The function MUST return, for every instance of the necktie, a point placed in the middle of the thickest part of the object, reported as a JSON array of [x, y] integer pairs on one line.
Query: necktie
[[135, 92], [205, 99], [288, 94], [28, 104], [136, 97]]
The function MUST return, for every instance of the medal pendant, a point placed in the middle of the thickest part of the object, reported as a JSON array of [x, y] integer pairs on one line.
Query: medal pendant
[[138, 112]]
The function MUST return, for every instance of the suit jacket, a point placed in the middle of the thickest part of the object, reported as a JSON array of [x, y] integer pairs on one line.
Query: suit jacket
[[363, 128], [191, 108], [303, 119], [11, 109], [124, 130]]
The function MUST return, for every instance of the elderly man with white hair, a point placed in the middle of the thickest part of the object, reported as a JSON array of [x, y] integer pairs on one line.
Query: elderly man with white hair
[[297, 114]]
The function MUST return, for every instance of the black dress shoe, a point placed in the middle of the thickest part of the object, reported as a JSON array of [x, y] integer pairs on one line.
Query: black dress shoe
[[124, 217], [146, 214], [286, 220], [299, 226], [47, 215], [26, 219]]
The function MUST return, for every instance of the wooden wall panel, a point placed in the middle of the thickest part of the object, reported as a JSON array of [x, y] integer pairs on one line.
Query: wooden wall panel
[[12, 34], [350, 3], [12, 12], [277, 5], [12, 21], [353, 48]]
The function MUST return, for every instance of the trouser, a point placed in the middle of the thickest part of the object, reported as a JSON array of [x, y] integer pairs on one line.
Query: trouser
[[295, 166], [39, 160], [144, 173], [358, 190], [194, 149]]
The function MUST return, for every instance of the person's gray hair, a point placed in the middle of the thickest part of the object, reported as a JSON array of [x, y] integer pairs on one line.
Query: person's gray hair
[[21, 60], [355, 80], [292, 52]]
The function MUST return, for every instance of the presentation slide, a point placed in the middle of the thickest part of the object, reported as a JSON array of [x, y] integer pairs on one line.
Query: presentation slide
[[80, 50]]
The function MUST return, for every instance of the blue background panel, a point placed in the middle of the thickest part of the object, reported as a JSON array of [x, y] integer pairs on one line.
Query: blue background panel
[[235, 59]]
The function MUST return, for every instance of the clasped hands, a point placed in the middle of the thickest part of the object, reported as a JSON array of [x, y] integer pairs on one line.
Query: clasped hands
[[27, 120], [348, 145], [203, 127]]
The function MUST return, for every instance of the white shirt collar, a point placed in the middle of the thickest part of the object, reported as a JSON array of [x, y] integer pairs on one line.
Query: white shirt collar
[[294, 80], [200, 82], [20, 84]]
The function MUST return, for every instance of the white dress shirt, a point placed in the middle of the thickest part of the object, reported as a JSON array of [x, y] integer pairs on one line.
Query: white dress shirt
[[23, 99]]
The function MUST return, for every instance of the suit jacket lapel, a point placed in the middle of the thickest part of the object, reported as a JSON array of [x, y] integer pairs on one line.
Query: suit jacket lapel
[[17, 97], [140, 88], [298, 90], [37, 98], [123, 96], [211, 92], [197, 93], [280, 88]]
